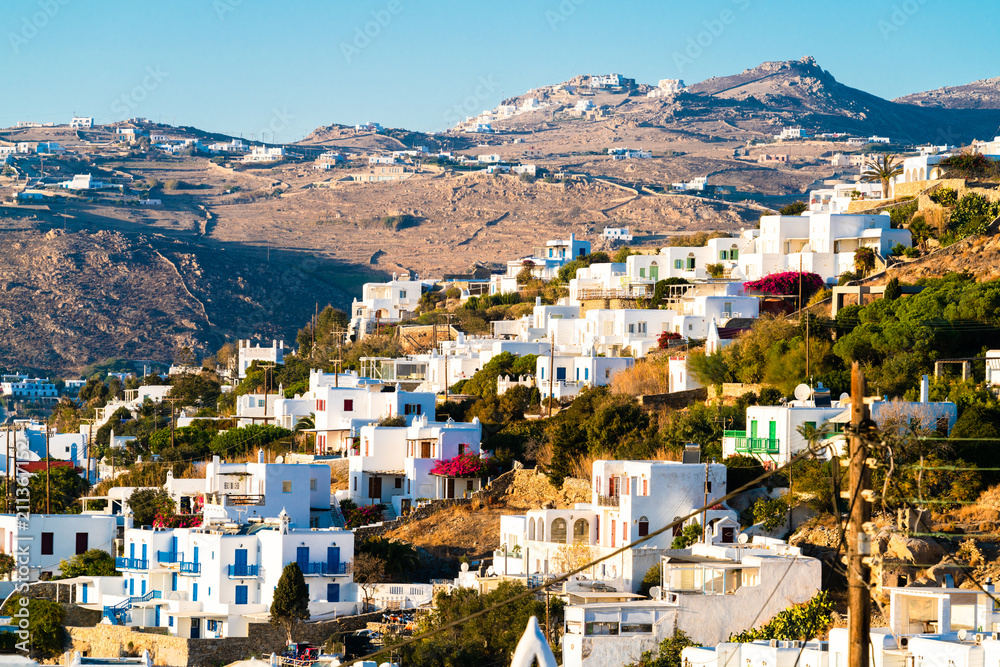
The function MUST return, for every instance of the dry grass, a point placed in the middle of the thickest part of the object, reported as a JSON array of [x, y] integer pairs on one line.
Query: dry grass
[[460, 530], [984, 512], [645, 377]]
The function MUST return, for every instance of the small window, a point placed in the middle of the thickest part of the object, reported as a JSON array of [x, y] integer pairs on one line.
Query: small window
[[678, 264], [399, 482], [312, 484], [643, 526], [47, 544], [286, 486], [723, 254], [170, 621], [348, 405], [468, 485], [355, 483], [413, 409], [642, 273], [637, 628]]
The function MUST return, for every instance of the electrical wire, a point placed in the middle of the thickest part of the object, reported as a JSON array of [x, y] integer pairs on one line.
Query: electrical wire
[[806, 453]]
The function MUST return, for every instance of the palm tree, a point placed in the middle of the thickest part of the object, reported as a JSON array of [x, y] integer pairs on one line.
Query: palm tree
[[882, 168], [303, 425]]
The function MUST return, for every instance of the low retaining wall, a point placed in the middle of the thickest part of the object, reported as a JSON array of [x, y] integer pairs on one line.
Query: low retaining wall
[[674, 400], [112, 641]]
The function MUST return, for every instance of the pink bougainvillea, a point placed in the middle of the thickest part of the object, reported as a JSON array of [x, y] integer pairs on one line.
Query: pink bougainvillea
[[786, 283], [464, 465], [170, 520]]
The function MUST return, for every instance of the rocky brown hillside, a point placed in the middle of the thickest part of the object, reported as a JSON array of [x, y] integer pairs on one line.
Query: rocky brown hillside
[[982, 94], [69, 298]]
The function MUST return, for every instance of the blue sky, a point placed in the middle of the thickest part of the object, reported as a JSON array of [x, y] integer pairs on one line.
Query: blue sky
[[252, 67]]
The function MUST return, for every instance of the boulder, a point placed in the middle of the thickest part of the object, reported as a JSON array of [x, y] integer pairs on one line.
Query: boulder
[[916, 550]]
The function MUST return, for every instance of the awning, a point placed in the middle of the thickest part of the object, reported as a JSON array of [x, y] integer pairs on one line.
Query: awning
[[843, 418]]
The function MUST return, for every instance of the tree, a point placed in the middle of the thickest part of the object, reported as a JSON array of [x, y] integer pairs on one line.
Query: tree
[[7, 565], [799, 622], [795, 208], [91, 563], [622, 254], [369, 572], [65, 489], [892, 290], [864, 260], [669, 652], [651, 579], [291, 600], [882, 169], [690, 535], [146, 504], [184, 356], [401, 559], [45, 625]]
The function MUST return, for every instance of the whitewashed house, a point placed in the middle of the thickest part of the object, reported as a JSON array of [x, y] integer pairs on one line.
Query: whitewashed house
[[46, 539], [564, 376], [708, 592], [211, 582], [630, 499], [387, 303], [82, 123], [544, 263], [247, 354], [617, 234], [265, 154]]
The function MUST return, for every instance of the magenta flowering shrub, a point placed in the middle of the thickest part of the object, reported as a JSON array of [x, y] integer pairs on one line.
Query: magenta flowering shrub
[[363, 515], [165, 517], [464, 465], [786, 283]]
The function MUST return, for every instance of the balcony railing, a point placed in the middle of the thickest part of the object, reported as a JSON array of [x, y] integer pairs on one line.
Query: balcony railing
[[321, 569], [241, 571], [189, 567], [150, 595], [169, 556], [131, 563], [244, 500], [607, 501], [753, 445]]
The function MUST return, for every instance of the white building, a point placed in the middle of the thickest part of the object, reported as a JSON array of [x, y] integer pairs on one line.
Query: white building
[[993, 368], [617, 234], [988, 148], [925, 167], [838, 198], [275, 354], [544, 263], [392, 465], [82, 182], [387, 302], [265, 154], [564, 376], [211, 582], [698, 183], [23, 388], [821, 243], [47, 539], [667, 88], [707, 592], [927, 626], [791, 133], [630, 499]]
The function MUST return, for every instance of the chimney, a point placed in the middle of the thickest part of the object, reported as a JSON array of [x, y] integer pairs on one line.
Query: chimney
[[925, 389], [260, 456]]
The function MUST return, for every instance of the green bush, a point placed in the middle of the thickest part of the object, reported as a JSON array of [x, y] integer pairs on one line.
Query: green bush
[[770, 513], [803, 622], [945, 197], [247, 439], [690, 535]]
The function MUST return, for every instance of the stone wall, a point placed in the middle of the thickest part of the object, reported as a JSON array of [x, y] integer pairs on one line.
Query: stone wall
[[675, 400], [737, 389], [111, 641]]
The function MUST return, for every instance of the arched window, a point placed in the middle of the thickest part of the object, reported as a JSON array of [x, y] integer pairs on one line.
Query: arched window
[[531, 529], [643, 526], [540, 530], [558, 531], [581, 531]]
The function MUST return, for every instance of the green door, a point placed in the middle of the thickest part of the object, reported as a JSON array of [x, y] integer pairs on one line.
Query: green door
[[753, 429], [772, 433], [654, 272]]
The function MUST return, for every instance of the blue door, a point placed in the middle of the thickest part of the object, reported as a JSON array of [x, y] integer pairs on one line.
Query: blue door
[[333, 592], [173, 546], [560, 373], [241, 595], [144, 551], [83, 593], [302, 558], [156, 616], [142, 591], [131, 586], [173, 581], [131, 550], [195, 556], [333, 560], [240, 562], [194, 592], [195, 628]]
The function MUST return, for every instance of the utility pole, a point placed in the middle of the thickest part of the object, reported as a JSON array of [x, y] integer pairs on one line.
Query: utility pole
[[704, 512], [552, 363], [9, 466], [858, 545], [48, 494], [172, 402], [445, 358]]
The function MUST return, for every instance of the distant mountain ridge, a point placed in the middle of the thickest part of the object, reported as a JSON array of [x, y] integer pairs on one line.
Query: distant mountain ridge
[[982, 94]]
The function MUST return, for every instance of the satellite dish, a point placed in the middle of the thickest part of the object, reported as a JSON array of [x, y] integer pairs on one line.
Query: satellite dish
[[803, 392], [962, 634], [655, 592], [279, 459], [743, 538], [465, 567]]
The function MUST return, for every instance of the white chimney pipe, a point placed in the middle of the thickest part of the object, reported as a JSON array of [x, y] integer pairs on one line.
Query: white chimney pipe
[[925, 389]]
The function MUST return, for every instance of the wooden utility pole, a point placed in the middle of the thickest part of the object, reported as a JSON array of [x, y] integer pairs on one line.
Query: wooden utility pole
[[449, 316], [552, 363], [859, 601], [48, 494], [704, 512], [172, 402]]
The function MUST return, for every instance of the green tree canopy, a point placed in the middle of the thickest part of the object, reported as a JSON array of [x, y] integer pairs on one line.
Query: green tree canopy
[[91, 563], [290, 605], [146, 504]]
